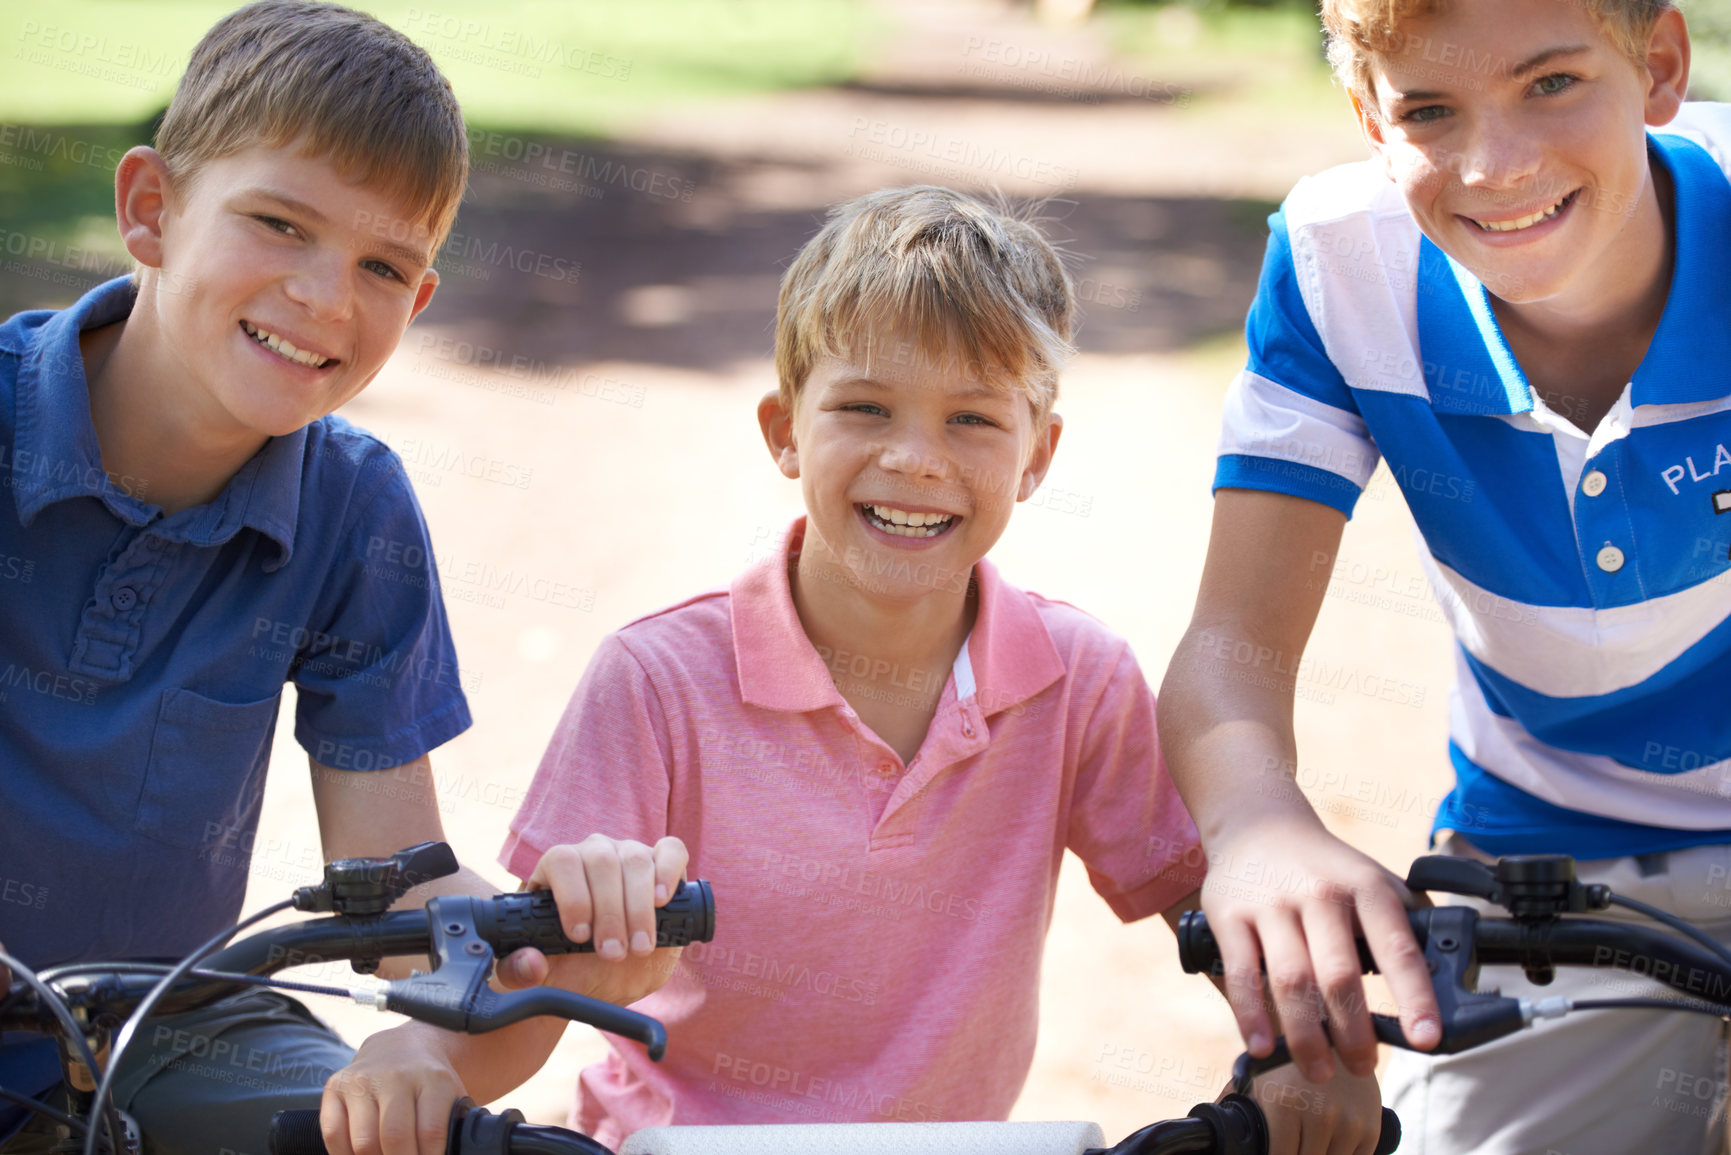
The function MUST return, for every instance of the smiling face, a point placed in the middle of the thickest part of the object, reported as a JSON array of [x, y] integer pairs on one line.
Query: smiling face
[[906, 458], [1515, 130], [280, 288]]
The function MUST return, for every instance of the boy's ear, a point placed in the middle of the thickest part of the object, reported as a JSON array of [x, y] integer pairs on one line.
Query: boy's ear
[[142, 188], [424, 294], [1667, 67], [776, 421], [1371, 129], [1045, 445]]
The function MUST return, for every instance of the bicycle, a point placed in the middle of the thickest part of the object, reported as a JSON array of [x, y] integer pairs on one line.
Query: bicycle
[[84, 1004]]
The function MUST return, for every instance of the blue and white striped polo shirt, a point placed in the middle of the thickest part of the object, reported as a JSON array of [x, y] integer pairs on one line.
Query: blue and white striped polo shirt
[[1587, 577]]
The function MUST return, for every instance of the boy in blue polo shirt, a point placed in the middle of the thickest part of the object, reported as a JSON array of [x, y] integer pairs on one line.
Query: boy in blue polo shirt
[[185, 529], [1522, 304]]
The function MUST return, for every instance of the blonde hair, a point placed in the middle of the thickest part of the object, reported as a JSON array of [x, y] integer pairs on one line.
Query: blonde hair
[[347, 87], [1359, 29], [936, 266]]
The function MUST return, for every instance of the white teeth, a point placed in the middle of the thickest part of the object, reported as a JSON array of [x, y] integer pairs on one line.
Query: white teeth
[[1525, 222], [283, 347], [901, 523]]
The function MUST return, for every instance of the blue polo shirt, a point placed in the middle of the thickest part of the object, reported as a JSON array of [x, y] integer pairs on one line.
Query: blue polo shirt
[[1586, 574], [143, 656]]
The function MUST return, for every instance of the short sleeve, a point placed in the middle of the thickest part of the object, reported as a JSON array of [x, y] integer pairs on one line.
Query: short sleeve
[[606, 770], [1127, 823], [1291, 425], [377, 680]]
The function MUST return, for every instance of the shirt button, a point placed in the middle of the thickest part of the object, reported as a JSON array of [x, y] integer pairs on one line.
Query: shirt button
[[1610, 559], [886, 767], [1593, 484], [124, 598]]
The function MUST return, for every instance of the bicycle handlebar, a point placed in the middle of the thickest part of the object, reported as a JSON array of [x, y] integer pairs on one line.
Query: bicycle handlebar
[[1460, 935], [463, 933], [1537, 890], [472, 1131], [1233, 1126]]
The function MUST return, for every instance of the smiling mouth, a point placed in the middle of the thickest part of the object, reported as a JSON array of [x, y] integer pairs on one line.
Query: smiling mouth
[[1528, 221], [285, 349], [902, 523]]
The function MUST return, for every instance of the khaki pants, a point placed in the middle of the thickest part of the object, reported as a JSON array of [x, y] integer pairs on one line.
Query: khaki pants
[[1612, 1082], [207, 1082]]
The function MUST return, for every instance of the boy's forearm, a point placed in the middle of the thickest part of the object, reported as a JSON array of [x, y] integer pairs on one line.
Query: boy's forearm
[[1226, 705], [495, 1064], [489, 1066], [1226, 731]]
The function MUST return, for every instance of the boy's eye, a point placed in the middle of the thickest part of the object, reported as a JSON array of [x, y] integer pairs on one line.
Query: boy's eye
[[865, 407], [278, 225], [1424, 114], [972, 419], [1554, 83], [384, 270]]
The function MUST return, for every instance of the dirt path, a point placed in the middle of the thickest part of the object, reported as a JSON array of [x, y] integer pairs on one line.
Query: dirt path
[[576, 409]]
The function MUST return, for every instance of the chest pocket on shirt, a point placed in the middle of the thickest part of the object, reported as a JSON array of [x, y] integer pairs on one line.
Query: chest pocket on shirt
[[206, 770]]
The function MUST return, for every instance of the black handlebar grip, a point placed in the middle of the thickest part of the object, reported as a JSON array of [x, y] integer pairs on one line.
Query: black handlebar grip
[[1199, 954], [296, 1133], [1390, 1137], [513, 921]]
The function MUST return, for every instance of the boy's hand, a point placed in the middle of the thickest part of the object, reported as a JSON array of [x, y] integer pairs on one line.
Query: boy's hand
[[607, 891], [1298, 912], [1340, 1117], [394, 1099]]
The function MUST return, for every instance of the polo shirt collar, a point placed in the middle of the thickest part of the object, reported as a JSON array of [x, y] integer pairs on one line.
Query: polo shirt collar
[[1469, 368], [55, 456], [1010, 652]]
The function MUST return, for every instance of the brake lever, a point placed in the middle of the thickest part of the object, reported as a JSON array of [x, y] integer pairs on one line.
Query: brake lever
[[455, 995], [1453, 875], [1469, 1017]]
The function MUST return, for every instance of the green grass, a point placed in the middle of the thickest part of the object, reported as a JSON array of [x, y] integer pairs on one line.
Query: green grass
[[1262, 62], [1268, 57], [82, 80], [57, 194], [1710, 36], [579, 68]]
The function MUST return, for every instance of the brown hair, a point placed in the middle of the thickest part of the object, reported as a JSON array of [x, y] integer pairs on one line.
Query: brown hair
[[344, 85], [1359, 29], [941, 268]]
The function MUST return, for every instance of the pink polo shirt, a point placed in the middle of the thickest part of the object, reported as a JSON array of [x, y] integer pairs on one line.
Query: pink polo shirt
[[879, 926]]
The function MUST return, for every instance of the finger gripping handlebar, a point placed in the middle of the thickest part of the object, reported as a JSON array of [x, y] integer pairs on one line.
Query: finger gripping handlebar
[[467, 933], [531, 919], [472, 1131], [1199, 954]]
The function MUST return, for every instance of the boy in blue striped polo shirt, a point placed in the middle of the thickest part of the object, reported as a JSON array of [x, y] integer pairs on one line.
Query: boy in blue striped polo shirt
[[1523, 304]]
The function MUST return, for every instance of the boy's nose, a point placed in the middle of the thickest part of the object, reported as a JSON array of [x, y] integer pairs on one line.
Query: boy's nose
[[1498, 155], [911, 457], [323, 288]]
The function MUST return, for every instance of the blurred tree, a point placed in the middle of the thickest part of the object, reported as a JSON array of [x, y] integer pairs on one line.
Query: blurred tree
[[1710, 31]]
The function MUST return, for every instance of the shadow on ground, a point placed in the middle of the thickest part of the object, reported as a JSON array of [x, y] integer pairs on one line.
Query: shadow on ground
[[648, 257], [567, 250]]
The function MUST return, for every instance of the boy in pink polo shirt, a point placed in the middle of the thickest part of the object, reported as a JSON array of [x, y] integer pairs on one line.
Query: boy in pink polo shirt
[[873, 745]]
